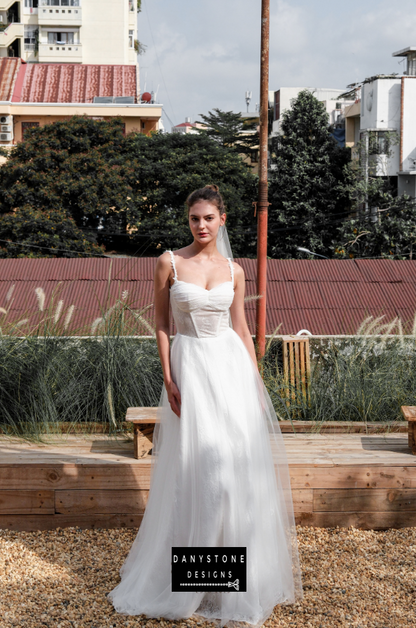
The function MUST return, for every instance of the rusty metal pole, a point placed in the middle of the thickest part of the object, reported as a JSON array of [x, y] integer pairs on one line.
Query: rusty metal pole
[[262, 204]]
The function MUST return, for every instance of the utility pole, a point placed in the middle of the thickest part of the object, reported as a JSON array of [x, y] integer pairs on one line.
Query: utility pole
[[262, 204]]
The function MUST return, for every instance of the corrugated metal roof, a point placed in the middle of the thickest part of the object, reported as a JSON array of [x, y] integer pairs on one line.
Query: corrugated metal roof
[[75, 83], [9, 68], [323, 296]]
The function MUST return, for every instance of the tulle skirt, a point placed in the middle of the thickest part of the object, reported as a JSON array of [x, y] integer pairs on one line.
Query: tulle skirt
[[219, 478]]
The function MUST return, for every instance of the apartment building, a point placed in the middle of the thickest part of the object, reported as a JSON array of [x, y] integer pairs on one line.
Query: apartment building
[[69, 31], [335, 104], [383, 120]]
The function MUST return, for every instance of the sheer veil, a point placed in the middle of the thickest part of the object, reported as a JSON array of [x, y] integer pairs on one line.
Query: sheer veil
[[224, 248], [279, 457], [223, 243]]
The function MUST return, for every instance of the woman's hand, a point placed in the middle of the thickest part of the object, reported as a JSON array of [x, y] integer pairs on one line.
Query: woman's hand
[[174, 397]]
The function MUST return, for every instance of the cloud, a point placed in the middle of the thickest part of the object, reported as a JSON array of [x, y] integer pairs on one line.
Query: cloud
[[206, 53]]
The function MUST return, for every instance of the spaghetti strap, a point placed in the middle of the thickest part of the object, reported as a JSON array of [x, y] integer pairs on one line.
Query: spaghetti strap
[[172, 259], [231, 269]]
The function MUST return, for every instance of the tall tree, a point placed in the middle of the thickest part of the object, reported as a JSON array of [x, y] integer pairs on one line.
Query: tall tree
[[77, 166], [29, 232], [126, 193], [169, 167], [308, 191], [231, 130]]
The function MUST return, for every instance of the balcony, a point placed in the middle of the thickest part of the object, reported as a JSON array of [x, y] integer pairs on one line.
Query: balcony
[[60, 53], [62, 16], [6, 4], [10, 33]]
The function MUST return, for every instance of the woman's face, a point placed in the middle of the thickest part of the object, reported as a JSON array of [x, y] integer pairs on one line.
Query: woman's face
[[204, 221]]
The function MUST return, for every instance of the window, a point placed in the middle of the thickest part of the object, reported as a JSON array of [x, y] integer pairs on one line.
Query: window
[[131, 39], [31, 4], [26, 126], [60, 38], [30, 37], [378, 142], [57, 3]]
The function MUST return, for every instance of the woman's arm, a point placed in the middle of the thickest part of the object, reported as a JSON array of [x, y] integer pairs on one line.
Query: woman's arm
[[161, 290], [238, 316]]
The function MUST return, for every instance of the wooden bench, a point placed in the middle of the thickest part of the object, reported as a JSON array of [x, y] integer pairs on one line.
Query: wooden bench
[[144, 420], [409, 413]]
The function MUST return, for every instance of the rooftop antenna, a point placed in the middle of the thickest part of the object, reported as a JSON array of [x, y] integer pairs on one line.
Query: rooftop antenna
[[248, 98], [156, 93]]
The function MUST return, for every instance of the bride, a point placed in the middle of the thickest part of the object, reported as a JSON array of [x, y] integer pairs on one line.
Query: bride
[[219, 472]]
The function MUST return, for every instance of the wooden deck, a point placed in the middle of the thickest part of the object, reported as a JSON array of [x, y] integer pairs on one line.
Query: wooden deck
[[368, 481]]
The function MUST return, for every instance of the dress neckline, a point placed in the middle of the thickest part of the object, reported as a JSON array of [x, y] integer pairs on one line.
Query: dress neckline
[[196, 285]]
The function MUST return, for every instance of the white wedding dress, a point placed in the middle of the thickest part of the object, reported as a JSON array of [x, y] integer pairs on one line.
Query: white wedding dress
[[219, 475]]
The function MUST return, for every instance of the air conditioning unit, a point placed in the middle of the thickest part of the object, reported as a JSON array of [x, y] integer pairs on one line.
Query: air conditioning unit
[[6, 119], [6, 128], [6, 137]]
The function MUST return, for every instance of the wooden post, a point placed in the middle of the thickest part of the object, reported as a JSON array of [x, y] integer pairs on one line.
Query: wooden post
[[296, 367], [409, 413], [262, 204]]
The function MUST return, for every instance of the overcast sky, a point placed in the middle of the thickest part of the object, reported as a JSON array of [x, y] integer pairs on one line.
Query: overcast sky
[[203, 54]]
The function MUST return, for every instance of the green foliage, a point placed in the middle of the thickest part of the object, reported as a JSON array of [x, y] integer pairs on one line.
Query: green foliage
[[231, 130], [50, 380], [76, 166], [365, 378], [381, 224], [387, 231], [29, 232], [168, 168], [308, 182], [127, 192], [139, 47], [50, 374]]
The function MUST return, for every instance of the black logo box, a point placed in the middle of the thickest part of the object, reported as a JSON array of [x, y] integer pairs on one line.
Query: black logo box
[[209, 569]]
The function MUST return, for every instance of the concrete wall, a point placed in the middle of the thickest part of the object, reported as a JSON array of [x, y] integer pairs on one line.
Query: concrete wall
[[406, 184], [105, 31], [133, 124], [380, 110], [409, 125]]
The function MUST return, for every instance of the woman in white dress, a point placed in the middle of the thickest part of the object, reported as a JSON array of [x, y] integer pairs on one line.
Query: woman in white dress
[[219, 472]]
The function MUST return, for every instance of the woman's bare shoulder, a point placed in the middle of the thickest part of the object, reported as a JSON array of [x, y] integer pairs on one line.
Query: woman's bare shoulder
[[163, 262], [238, 270]]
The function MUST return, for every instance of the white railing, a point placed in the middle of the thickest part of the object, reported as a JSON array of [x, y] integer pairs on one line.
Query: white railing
[[60, 3], [59, 53]]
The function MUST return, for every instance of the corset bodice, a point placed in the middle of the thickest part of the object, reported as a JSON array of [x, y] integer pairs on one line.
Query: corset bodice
[[199, 312]]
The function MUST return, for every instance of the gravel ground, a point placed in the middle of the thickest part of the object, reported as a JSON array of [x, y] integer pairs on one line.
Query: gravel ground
[[351, 578]]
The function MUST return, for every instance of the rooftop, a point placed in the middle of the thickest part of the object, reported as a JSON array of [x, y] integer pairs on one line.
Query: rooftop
[[327, 297], [64, 82]]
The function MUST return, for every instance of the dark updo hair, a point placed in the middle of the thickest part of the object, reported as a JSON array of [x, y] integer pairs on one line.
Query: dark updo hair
[[209, 193]]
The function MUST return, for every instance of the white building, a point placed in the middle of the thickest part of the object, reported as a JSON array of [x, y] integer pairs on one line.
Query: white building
[[334, 105], [384, 119], [187, 127], [69, 31]]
